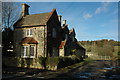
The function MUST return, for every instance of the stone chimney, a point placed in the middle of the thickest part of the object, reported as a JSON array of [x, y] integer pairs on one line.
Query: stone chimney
[[25, 10], [59, 17], [64, 22]]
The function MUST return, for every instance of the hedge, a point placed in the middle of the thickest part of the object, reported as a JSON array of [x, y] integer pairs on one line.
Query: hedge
[[50, 63], [54, 63]]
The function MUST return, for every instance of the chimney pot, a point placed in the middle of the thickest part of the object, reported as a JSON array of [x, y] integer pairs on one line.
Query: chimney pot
[[59, 17], [25, 9], [64, 22]]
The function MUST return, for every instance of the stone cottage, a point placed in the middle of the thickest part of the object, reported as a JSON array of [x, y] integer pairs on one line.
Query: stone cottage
[[37, 34], [42, 35]]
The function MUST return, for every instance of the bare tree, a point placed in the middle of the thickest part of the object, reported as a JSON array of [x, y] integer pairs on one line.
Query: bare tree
[[10, 14]]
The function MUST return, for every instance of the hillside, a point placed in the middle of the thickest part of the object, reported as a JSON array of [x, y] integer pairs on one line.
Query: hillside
[[102, 47]]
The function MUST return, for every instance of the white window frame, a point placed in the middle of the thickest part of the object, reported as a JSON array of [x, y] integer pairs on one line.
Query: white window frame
[[27, 53], [29, 32]]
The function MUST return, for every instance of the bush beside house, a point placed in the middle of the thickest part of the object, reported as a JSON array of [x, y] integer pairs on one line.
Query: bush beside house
[[50, 63]]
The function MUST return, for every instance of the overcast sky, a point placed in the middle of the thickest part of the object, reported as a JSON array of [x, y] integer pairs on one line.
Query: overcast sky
[[91, 20]]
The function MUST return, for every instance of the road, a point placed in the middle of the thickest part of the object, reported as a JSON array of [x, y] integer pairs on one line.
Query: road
[[95, 70]]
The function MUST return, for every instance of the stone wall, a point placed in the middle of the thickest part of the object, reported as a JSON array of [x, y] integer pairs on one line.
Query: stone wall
[[61, 52], [39, 34], [18, 36]]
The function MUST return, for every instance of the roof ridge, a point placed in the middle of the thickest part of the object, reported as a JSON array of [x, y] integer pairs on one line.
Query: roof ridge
[[35, 19], [37, 14]]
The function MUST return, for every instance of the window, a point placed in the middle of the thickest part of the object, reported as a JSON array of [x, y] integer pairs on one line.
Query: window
[[25, 51], [29, 32], [54, 33], [28, 51], [54, 51], [32, 50], [73, 39], [66, 36]]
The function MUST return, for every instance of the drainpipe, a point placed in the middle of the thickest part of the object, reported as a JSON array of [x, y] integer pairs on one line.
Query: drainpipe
[[45, 51], [44, 41], [36, 51]]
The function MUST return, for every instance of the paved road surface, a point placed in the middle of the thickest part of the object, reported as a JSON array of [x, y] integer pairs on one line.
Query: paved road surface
[[95, 70]]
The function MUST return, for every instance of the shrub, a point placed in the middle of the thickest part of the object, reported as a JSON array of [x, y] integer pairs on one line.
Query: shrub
[[69, 60], [78, 57], [88, 59], [65, 61], [52, 63], [42, 61]]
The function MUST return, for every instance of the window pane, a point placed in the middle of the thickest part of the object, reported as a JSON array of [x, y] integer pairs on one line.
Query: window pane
[[27, 51], [31, 50], [24, 50], [27, 32], [54, 51], [54, 33], [66, 36], [30, 31]]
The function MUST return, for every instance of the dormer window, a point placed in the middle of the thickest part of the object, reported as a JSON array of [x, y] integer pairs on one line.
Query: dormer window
[[29, 32]]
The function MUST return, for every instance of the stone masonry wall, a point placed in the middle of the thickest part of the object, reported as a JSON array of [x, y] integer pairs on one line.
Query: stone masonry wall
[[39, 34], [18, 36]]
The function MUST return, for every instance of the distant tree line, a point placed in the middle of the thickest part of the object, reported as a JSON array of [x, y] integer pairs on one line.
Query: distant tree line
[[102, 47]]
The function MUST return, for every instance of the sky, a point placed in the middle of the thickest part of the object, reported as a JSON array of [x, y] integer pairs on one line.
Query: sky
[[91, 20]]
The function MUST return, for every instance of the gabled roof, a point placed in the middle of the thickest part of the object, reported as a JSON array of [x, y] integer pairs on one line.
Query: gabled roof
[[35, 19], [78, 46], [65, 28], [72, 31], [28, 40]]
